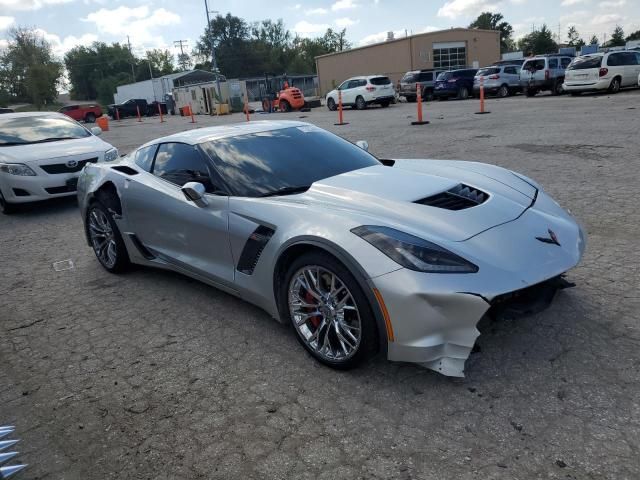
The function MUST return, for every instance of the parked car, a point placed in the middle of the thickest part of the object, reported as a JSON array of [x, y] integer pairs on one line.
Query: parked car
[[42, 154], [131, 106], [426, 79], [603, 71], [358, 256], [500, 80], [6, 110], [544, 73], [455, 83], [85, 112], [516, 61], [359, 92]]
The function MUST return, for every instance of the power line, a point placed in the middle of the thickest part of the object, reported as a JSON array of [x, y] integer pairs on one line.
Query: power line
[[181, 44]]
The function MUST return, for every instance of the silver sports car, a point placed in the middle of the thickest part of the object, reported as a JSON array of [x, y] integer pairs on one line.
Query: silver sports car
[[360, 255]]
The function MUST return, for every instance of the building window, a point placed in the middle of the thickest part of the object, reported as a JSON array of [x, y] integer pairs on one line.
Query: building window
[[449, 56]]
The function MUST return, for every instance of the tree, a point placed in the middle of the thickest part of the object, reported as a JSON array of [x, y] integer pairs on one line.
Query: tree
[[493, 21], [634, 36], [540, 41], [184, 61], [574, 37], [28, 69], [594, 40], [617, 38]]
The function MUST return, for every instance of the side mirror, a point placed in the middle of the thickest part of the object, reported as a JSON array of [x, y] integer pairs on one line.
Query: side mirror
[[96, 131], [363, 145], [195, 191]]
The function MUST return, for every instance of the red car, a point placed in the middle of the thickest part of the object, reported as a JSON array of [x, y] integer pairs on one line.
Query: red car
[[86, 112]]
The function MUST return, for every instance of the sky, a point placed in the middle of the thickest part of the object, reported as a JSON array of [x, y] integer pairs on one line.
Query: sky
[[158, 23]]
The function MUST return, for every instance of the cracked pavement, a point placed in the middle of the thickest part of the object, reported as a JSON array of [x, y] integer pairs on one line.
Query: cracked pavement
[[151, 375]]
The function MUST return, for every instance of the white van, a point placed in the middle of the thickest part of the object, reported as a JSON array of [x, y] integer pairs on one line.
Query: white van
[[603, 71]]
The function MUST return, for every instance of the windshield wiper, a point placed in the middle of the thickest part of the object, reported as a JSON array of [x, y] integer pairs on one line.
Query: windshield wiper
[[286, 191], [54, 139]]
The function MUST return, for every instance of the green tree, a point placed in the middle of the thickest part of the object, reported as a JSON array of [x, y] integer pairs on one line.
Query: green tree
[[634, 36], [159, 61], [184, 61], [494, 21], [538, 42], [28, 68], [617, 38], [574, 37], [594, 40]]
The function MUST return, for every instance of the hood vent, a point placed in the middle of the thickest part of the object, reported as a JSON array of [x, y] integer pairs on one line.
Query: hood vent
[[457, 198]]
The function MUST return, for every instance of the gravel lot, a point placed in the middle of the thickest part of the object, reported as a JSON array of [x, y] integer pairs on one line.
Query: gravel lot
[[152, 375]]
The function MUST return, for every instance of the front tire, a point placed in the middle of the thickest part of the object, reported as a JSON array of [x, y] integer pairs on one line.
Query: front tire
[[285, 106], [106, 240], [330, 313], [463, 93], [503, 92], [360, 103], [331, 104], [6, 207]]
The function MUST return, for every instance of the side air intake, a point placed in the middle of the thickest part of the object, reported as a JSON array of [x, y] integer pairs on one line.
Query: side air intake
[[253, 249], [457, 198]]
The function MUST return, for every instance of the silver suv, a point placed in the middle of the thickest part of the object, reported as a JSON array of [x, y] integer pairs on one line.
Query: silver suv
[[544, 72], [425, 78], [500, 80]]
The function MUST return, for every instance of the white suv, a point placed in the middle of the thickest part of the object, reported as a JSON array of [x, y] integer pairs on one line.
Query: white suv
[[359, 92], [603, 71], [42, 154]]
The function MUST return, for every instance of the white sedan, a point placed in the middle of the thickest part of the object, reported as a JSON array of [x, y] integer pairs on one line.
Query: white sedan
[[42, 154]]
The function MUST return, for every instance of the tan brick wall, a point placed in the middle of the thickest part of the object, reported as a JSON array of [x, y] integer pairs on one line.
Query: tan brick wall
[[397, 57]]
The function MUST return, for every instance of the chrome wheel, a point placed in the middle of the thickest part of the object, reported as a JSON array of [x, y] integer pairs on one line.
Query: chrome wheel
[[324, 313], [102, 238]]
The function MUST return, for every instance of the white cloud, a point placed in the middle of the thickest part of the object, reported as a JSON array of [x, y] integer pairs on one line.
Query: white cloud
[[607, 19], [29, 4], [568, 3], [306, 29], [345, 22], [459, 8], [139, 23], [316, 11], [612, 4], [61, 46], [380, 37], [4, 43], [343, 5], [428, 28], [6, 22]]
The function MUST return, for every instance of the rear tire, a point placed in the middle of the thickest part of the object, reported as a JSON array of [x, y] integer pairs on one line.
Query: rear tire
[[285, 106], [463, 93], [6, 207], [360, 343], [106, 239], [503, 91], [360, 103], [615, 85], [331, 104]]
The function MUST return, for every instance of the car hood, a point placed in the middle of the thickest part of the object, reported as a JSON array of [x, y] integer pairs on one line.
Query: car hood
[[62, 148], [388, 195]]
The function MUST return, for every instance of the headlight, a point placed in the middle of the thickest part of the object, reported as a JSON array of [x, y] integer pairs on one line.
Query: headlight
[[111, 155], [17, 169], [412, 252]]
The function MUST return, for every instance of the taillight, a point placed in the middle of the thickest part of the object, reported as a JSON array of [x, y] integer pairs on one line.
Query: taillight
[[370, 88], [546, 74], [494, 77], [603, 71]]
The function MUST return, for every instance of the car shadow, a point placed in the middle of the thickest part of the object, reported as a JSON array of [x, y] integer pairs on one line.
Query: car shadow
[[45, 208]]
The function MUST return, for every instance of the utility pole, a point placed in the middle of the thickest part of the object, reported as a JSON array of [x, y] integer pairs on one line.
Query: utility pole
[[181, 44], [133, 74], [214, 63]]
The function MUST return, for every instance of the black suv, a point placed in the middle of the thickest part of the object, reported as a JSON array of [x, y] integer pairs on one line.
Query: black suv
[[426, 79], [455, 83]]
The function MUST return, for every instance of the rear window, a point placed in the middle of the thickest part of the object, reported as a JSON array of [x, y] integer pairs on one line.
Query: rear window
[[426, 76], [380, 81], [409, 78], [487, 71], [582, 63]]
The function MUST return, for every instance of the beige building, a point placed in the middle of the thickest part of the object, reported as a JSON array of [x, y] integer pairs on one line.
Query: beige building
[[443, 50]]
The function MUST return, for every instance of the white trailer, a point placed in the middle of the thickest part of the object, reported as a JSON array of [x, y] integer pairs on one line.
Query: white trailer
[[150, 90]]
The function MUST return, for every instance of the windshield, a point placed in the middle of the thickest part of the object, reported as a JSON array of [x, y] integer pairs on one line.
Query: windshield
[[409, 78], [443, 76], [261, 163], [487, 71], [26, 130], [582, 63]]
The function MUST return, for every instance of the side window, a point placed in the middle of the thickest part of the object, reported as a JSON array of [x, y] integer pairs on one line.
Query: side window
[[180, 163], [144, 157], [344, 85], [553, 63], [614, 60], [565, 62], [426, 77], [630, 58], [361, 83]]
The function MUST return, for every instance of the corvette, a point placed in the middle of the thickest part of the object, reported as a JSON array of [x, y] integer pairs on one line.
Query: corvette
[[359, 255]]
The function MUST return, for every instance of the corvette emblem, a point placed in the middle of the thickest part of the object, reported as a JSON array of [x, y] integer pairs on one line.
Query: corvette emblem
[[552, 238]]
